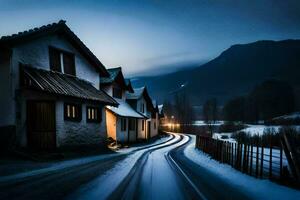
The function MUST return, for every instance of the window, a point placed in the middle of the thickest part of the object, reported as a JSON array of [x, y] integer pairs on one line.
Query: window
[[132, 124], [62, 61], [142, 108], [55, 61], [117, 93], [143, 125], [72, 112], [123, 124], [93, 114]]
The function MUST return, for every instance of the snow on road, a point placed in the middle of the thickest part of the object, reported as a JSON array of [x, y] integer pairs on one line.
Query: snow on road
[[255, 188], [103, 186], [61, 165], [158, 180]]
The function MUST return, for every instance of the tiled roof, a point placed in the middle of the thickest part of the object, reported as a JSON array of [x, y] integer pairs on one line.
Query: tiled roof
[[113, 73], [60, 28], [63, 84]]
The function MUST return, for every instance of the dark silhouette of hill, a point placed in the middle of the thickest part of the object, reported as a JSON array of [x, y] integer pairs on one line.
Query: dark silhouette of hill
[[235, 72]]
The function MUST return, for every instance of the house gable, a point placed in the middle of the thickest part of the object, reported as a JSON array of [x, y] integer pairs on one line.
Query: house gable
[[60, 29]]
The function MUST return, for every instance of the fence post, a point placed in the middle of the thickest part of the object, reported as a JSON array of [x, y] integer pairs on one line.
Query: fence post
[[257, 154], [251, 161], [247, 159], [270, 169], [226, 149], [235, 157], [228, 153], [241, 157], [232, 154], [244, 158], [281, 162], [220, 151], [262, 162]]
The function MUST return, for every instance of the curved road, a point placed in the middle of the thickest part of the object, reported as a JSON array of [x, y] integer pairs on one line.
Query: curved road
[[157, 171], [158, 177]]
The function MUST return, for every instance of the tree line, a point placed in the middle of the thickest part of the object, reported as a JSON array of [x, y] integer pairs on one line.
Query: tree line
[[267, 100]]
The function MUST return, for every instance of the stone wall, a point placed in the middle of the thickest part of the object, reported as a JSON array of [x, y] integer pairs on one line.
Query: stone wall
[[69, 133]]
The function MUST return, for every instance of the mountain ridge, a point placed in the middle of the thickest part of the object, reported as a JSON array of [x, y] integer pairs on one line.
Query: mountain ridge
[[234, 72]]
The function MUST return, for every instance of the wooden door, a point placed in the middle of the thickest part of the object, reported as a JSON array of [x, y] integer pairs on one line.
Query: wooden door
[[41, 126]]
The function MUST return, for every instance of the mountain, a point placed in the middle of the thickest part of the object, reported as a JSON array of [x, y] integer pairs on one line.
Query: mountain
[[235, 72]]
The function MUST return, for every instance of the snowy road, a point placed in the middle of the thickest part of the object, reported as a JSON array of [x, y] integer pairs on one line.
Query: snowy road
[[156, 176], [168, 169]]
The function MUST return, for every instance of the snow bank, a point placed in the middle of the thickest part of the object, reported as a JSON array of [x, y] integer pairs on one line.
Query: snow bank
[[255, 188], [224, 137]]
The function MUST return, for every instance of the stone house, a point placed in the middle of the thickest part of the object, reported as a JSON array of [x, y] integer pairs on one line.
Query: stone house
[[50, 90]]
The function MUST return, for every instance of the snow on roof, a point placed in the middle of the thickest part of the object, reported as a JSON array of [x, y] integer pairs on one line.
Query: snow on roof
[[138, 92], [160, 107], [124, 110]]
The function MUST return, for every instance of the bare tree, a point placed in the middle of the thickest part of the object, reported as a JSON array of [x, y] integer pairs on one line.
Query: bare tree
[[210, 113]]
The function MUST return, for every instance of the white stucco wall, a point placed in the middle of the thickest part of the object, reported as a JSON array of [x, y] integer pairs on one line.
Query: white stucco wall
[[141, 101], [154, 129], [109, 90], [141, 133], [36, 53]]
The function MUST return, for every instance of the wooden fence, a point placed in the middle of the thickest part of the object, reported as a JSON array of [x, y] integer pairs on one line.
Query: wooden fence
[[252, 158]]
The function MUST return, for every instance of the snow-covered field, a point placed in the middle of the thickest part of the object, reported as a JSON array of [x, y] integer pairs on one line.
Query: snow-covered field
[[252, 130], [202, 123], [255, 188]]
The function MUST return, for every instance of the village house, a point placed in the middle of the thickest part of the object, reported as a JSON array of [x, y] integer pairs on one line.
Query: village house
[[154, 119], [50, 90], [121, 121], [142, 103]]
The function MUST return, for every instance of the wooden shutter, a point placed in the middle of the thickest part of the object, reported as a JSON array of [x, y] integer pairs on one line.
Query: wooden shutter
[[54, 58], [69, 63]]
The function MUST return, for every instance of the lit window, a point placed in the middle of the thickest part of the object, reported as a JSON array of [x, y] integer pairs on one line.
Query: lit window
[[93, 114], [72, 112]]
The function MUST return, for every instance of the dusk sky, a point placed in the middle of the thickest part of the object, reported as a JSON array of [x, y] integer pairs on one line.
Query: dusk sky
[[143, 35]]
